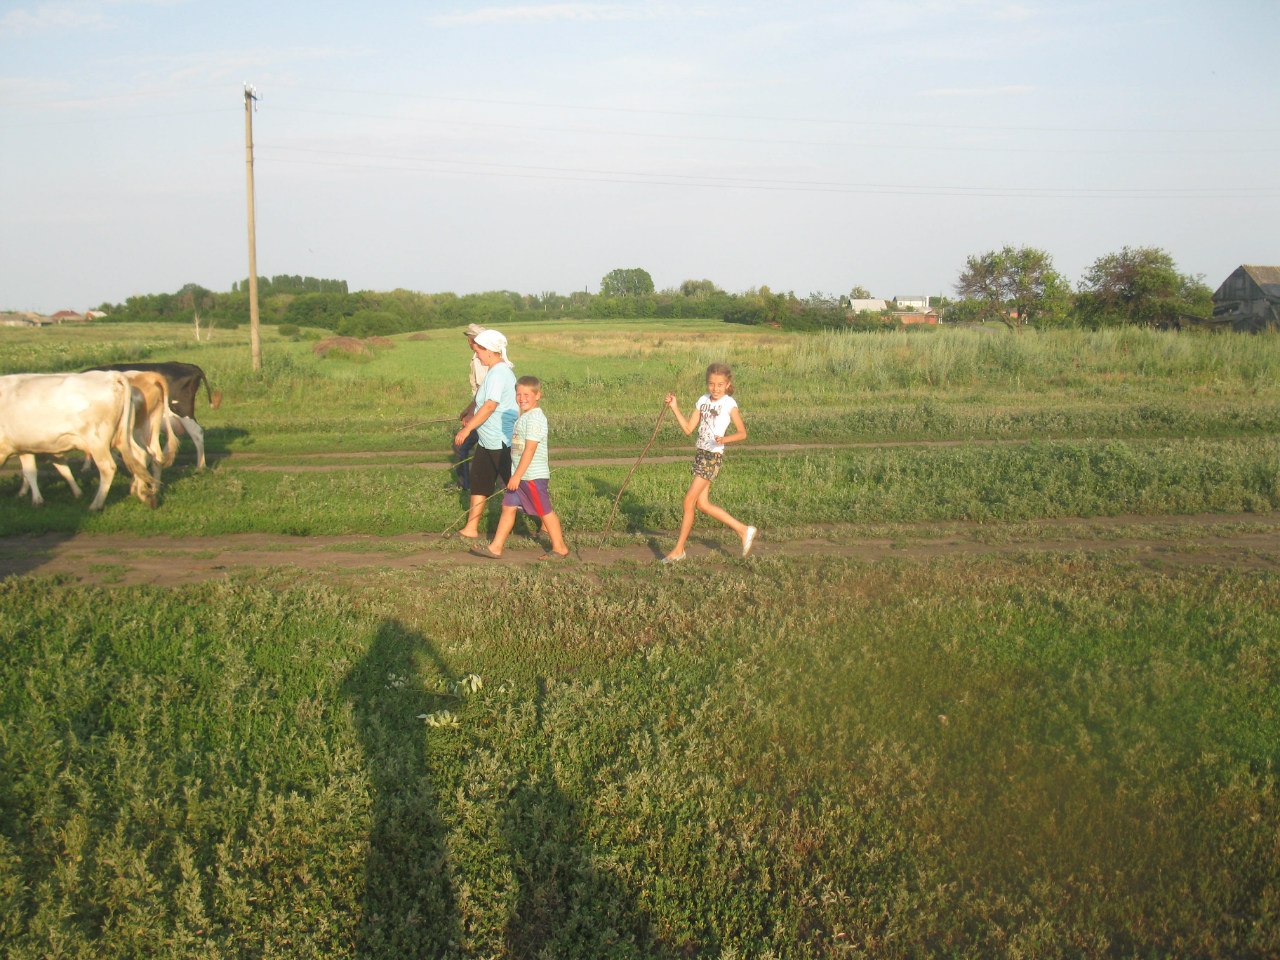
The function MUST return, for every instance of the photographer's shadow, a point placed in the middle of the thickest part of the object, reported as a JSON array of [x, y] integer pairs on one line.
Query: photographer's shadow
[[410, 905], [567, 905]]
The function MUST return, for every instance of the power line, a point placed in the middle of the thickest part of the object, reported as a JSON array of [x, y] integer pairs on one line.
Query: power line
[[765, 118], [574, 175], [932, 146], [114, 119]]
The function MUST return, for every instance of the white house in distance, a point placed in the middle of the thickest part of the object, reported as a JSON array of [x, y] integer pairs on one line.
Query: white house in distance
[[917, 304]]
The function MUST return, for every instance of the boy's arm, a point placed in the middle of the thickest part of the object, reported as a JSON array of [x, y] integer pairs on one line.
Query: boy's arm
[[526, 458]]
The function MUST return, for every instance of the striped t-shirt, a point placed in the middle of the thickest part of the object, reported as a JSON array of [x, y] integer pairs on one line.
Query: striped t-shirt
[[531, 426]]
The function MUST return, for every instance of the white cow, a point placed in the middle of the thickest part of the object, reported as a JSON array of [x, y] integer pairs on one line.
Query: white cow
[[58, 412]]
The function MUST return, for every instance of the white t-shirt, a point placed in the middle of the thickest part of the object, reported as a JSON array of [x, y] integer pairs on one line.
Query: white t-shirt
[[715, 421]]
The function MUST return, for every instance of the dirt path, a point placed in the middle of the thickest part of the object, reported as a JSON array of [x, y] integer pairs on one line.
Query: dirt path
[[1246, 541]]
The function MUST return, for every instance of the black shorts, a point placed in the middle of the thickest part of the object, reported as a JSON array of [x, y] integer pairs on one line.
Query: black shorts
[[487, 468]]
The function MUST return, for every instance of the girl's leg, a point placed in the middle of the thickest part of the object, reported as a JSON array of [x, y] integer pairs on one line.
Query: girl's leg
[[551, 524], [721, 514], [697, 490], [506, 522]]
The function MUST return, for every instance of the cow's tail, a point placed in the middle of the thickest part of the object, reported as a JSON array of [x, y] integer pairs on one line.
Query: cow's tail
[[215, 396], [123, 441]]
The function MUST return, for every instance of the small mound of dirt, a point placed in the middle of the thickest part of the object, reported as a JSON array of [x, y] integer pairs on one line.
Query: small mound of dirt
[[343, 344], [379, 341], [418, 336]]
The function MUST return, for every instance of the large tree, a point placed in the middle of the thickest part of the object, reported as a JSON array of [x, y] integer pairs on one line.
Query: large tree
[[1014, 285], [1141, 285], [626, 283]]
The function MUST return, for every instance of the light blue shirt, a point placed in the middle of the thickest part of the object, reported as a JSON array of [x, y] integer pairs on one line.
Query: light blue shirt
[[499, 386]]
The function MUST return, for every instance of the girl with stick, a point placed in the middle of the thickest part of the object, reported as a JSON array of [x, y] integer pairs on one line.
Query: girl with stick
[[711, 417]]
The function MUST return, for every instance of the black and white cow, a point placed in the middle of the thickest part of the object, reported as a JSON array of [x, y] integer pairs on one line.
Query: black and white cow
[[184, 383]]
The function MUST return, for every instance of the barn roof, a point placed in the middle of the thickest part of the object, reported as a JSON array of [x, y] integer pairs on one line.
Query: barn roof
[[1267, 278]]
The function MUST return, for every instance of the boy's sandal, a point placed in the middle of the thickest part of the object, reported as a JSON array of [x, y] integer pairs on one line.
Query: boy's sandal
[[552, 555], [485, 552]]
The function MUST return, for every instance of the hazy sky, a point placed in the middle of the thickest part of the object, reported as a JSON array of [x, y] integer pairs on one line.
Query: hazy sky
[[808, 145]]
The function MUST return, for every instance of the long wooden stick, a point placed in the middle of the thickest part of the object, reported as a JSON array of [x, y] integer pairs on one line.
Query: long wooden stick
[[502, 488], [618, 499]]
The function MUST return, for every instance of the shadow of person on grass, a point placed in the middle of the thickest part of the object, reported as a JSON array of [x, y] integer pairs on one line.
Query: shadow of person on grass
[[410, 905], [567, 905]]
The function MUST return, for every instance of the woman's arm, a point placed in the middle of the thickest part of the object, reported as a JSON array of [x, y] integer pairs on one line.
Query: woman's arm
[[479, 417]]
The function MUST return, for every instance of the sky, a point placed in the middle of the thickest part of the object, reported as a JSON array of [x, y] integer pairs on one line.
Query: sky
[[808, 146]]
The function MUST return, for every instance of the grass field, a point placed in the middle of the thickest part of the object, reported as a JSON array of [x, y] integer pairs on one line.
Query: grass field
[[1015, 755]]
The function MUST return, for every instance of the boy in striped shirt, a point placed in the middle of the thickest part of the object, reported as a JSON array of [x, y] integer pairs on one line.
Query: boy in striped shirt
[[527, 488]]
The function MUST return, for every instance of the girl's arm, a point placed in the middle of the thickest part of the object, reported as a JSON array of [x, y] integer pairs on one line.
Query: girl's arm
[[475, 420], [689, 424], [526, 458], [736, 417]]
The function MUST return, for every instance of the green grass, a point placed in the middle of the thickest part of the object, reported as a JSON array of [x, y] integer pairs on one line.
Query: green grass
[[780, 492], [604, 383], [976, 757], [1013, 757]]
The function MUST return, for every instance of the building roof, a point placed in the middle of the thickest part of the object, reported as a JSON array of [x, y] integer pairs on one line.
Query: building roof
[[1267, 278]]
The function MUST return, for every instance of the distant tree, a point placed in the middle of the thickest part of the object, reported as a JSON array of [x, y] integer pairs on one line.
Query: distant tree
[[626, 283], [859, 293], [1015, 286], [699, 289], [1140, 286]]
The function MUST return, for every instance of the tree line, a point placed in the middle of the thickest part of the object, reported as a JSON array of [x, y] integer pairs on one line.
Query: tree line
[[1137, 286], [1016, 286]]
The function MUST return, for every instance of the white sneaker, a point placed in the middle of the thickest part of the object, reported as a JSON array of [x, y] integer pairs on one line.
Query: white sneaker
[[748, 540], [673, 558]]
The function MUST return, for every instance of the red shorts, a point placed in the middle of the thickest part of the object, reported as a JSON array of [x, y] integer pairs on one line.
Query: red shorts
[[531, 496]]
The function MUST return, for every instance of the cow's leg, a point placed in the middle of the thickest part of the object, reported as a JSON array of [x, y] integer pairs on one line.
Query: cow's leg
[[68, 476], [106, 473], [28, 462], [146, 448], [197, 437], [172, 440]]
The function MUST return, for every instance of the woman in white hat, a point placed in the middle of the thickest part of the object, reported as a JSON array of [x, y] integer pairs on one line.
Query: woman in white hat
[[493, 419]]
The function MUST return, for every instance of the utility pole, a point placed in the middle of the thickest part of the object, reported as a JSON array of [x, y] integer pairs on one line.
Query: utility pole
[[255, 338]]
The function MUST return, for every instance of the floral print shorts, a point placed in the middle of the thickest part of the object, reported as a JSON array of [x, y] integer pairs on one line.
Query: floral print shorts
[[707, 464]]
